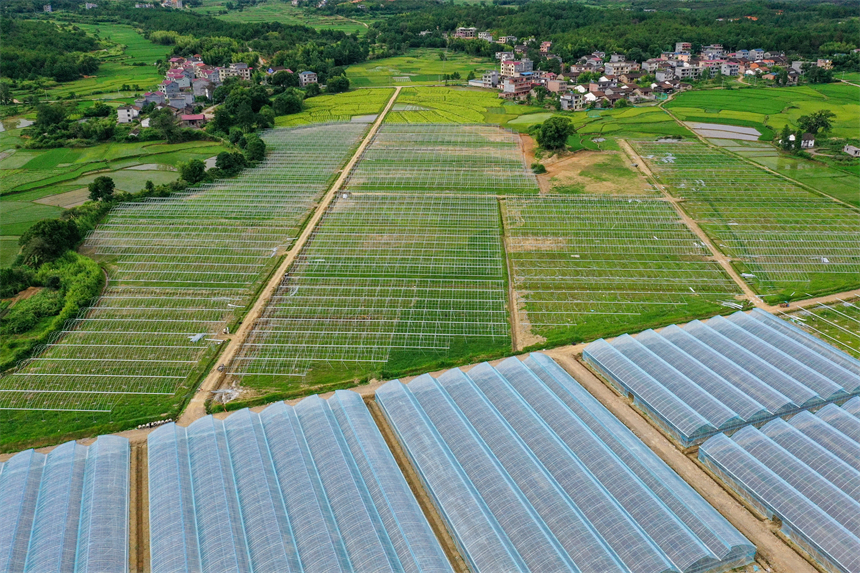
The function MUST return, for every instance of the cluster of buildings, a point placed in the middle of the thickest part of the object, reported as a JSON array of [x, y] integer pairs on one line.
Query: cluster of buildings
[[306, 78], [186, 79], [620, 78], [617, 80]]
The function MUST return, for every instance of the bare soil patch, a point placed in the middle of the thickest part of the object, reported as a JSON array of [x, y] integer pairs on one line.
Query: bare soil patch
[[24, 294], [529, 244], [66, 200]]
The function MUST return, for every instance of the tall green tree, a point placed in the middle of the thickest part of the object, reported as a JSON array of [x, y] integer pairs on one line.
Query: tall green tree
[[816, 121], [102, 188], [193, 171], [553, 133]]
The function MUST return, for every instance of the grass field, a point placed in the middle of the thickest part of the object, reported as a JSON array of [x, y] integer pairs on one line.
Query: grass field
[[181, 269], [284, 12], [128, 47], [338, 107], [837, 324], [454, 105], [769, 109], [841, 182], [853, 77], [787, 242], [8, 250], [38, 184], [420, 66]]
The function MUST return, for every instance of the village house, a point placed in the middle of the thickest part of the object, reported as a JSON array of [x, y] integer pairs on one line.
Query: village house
[[686, 47], [502, 56], [307, 78], [572, 101], [729, 68], [485, 36], [201, 87], [516, 87], [127, 113], [490, 79], [514, 67], [620, 67], [509, 40], [544, 47], [193, 119], [466, 33], [852, 150], [169, 88]]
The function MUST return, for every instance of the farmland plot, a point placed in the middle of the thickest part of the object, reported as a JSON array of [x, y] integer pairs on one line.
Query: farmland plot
[[786, 241], [181, 269], [586, 266]]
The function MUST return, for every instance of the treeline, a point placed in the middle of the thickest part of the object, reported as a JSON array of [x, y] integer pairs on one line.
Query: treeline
[[27, 53], [577, 30]]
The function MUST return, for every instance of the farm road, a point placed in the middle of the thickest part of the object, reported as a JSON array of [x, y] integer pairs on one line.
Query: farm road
[[196, 407]]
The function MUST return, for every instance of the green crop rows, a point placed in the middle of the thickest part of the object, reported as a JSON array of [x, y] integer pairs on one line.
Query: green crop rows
[[837, 323], [181, 269], [787, 242]]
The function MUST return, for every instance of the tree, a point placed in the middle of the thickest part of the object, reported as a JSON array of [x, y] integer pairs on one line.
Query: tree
[[47, 240], [149, 186], [255, 148], [194, 171], [785, 138], [470, 77], [622, 103], [284, 78], [164, 122], [49, 115], [337, 85], [816, 121], [5, 93], [101, 189], [287, 103], [816, 75], [553, 133], [798, 140], [312, 90], [230, 162]]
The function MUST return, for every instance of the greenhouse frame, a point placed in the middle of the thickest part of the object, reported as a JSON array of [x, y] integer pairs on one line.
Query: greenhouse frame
[[719, 375], [66, 511], [531, 473], [305, 488], [805, 472]]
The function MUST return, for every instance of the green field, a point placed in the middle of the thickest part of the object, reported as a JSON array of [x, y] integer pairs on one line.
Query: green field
[[126, 47], [454, 105], [787, 242], [338, 107], [769, 109], [38, 184], [837, 323], [840, 181], [417, 67], [284, 12]]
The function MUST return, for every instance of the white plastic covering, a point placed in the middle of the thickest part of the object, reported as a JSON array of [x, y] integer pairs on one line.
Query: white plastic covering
[[531, 473]]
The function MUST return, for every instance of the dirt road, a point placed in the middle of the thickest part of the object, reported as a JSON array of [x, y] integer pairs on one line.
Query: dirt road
[[196, 407]]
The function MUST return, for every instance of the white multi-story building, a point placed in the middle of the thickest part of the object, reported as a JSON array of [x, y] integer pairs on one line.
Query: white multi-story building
[[490, 79], [466, 33], [572, 101], [307, 78], [485, 36], [617, 68], [514, 67], [127, 113], [683, 47]]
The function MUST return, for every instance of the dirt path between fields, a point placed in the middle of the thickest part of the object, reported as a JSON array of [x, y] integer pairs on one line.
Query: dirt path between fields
[[780, 556], [718, 256], [196, 407]]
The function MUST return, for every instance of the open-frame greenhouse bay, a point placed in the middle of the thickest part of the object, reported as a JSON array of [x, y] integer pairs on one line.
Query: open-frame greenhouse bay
[[181, 268], [785, 240]]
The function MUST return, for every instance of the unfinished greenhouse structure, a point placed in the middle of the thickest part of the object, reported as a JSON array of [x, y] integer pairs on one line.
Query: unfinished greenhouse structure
[[722, 374], [66, 511], [531, 473], [805, 472]]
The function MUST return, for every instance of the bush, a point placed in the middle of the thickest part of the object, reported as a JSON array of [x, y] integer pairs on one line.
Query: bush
[[337, 85], [47, 240], [538, 168], [255, 148]]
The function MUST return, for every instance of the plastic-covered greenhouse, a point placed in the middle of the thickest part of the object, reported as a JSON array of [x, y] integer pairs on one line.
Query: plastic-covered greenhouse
[[708, 377], [66, 511], [531, 473], [305, 488], [804, 471]]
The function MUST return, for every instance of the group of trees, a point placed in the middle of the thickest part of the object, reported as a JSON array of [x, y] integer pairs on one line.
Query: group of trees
[[32, 48], [807, 29]]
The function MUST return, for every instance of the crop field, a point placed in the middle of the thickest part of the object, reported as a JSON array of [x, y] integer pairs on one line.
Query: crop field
[[584, 267], [837, 323], [283, 12], [786, 241], [38, 184], [339, 107], [453, 105], [443, 159], [417, 67], [117, 67], [180, 269], [841, 182], [769, 109], [403, 272]]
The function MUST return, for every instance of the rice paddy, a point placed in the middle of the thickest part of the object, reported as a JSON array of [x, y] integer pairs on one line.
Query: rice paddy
[[346, 106], [182, 269], [786, 242], [420, 66], [454, 105]]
